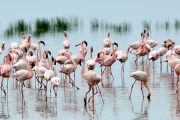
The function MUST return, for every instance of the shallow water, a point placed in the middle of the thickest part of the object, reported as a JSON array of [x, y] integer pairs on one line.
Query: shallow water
[[69, 104]]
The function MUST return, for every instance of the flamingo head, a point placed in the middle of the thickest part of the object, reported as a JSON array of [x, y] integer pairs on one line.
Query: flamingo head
[[90, 64], [30, 53]]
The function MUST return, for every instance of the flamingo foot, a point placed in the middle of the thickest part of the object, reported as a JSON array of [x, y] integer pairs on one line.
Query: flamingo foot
[[149, 96]]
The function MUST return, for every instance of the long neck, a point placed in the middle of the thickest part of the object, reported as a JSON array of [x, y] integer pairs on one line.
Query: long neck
[[91, 54], [127, 51]]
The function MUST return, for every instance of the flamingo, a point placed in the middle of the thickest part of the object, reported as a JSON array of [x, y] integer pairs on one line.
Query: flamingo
[[2, 47], [21, 63], [44, 61], [162, 51], [92, 78], [68, 68], [142, 77], [107, 41], [122, 57], [154, 55], [177, 50], [66, 42], [65, 53], [31, 59], [55, 81], [23, 75], [5, 71], [169, 43], [48, 74], [143, 50], [173, 61], [107, 60], [25, 42], [150, 42]]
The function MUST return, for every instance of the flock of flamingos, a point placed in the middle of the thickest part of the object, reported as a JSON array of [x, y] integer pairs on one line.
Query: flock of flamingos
[[26, 59]]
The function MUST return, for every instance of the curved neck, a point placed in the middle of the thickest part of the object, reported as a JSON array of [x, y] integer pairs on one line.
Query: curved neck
[[127, 51]]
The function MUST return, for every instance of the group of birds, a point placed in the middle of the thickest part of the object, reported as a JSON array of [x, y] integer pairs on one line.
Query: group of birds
[[27, 59]]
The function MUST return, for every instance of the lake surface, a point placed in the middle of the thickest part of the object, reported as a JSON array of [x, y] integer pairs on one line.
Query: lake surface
[[69, 104]]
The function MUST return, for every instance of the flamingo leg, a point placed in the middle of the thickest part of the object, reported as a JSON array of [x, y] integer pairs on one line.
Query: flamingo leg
[[40, 88], [100, 92], [93, 94], [55, 92], [142, 90], [177, 81], [73, 84], [131, 89], [103, 71], [2, 87], [111, 73], [85, 97], [136, 59], [74, 76], [149, 92], [50, 89]]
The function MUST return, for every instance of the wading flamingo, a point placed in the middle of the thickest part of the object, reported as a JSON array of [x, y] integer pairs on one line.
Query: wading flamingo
[[142, 77], [92, 79]]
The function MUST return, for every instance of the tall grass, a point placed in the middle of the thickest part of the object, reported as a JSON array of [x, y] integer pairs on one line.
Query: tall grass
[[96, 25], [19, 27], [42, 25]]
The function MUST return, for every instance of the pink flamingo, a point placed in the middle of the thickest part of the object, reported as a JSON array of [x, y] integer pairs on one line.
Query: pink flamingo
[[163, 50], [31, 59], [55, 81], [23, 75], [65, 53], [92, 78], [143, 50], [68, 68], [5, 71], [173, 61], [107, 60], [107, 41], [142, 77], [122, 57]]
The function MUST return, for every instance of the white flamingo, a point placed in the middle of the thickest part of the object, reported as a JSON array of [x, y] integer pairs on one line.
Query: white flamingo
[[142, 77]]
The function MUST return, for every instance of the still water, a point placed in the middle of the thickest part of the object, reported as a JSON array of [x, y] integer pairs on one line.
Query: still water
[[69, 104]]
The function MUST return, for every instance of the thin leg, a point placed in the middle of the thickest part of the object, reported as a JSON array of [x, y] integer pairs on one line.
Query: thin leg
[[131, 89], [111, 73], [85, 97], [50, 89], [2, 87], [93, 94], [103, 71], [136, 59], [177, 81], [142, 90], [71, 81], [54, 91], [100, 93], [149, 92]]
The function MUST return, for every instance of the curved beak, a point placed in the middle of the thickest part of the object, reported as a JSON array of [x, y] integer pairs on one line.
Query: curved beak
[[116, 44], [85, 42], [42, 42]]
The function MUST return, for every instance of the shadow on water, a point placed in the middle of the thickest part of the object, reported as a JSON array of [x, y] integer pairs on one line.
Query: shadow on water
[[141, 112]]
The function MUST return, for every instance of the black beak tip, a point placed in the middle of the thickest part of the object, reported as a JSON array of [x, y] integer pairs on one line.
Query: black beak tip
[[85, 103], [86, 43]]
